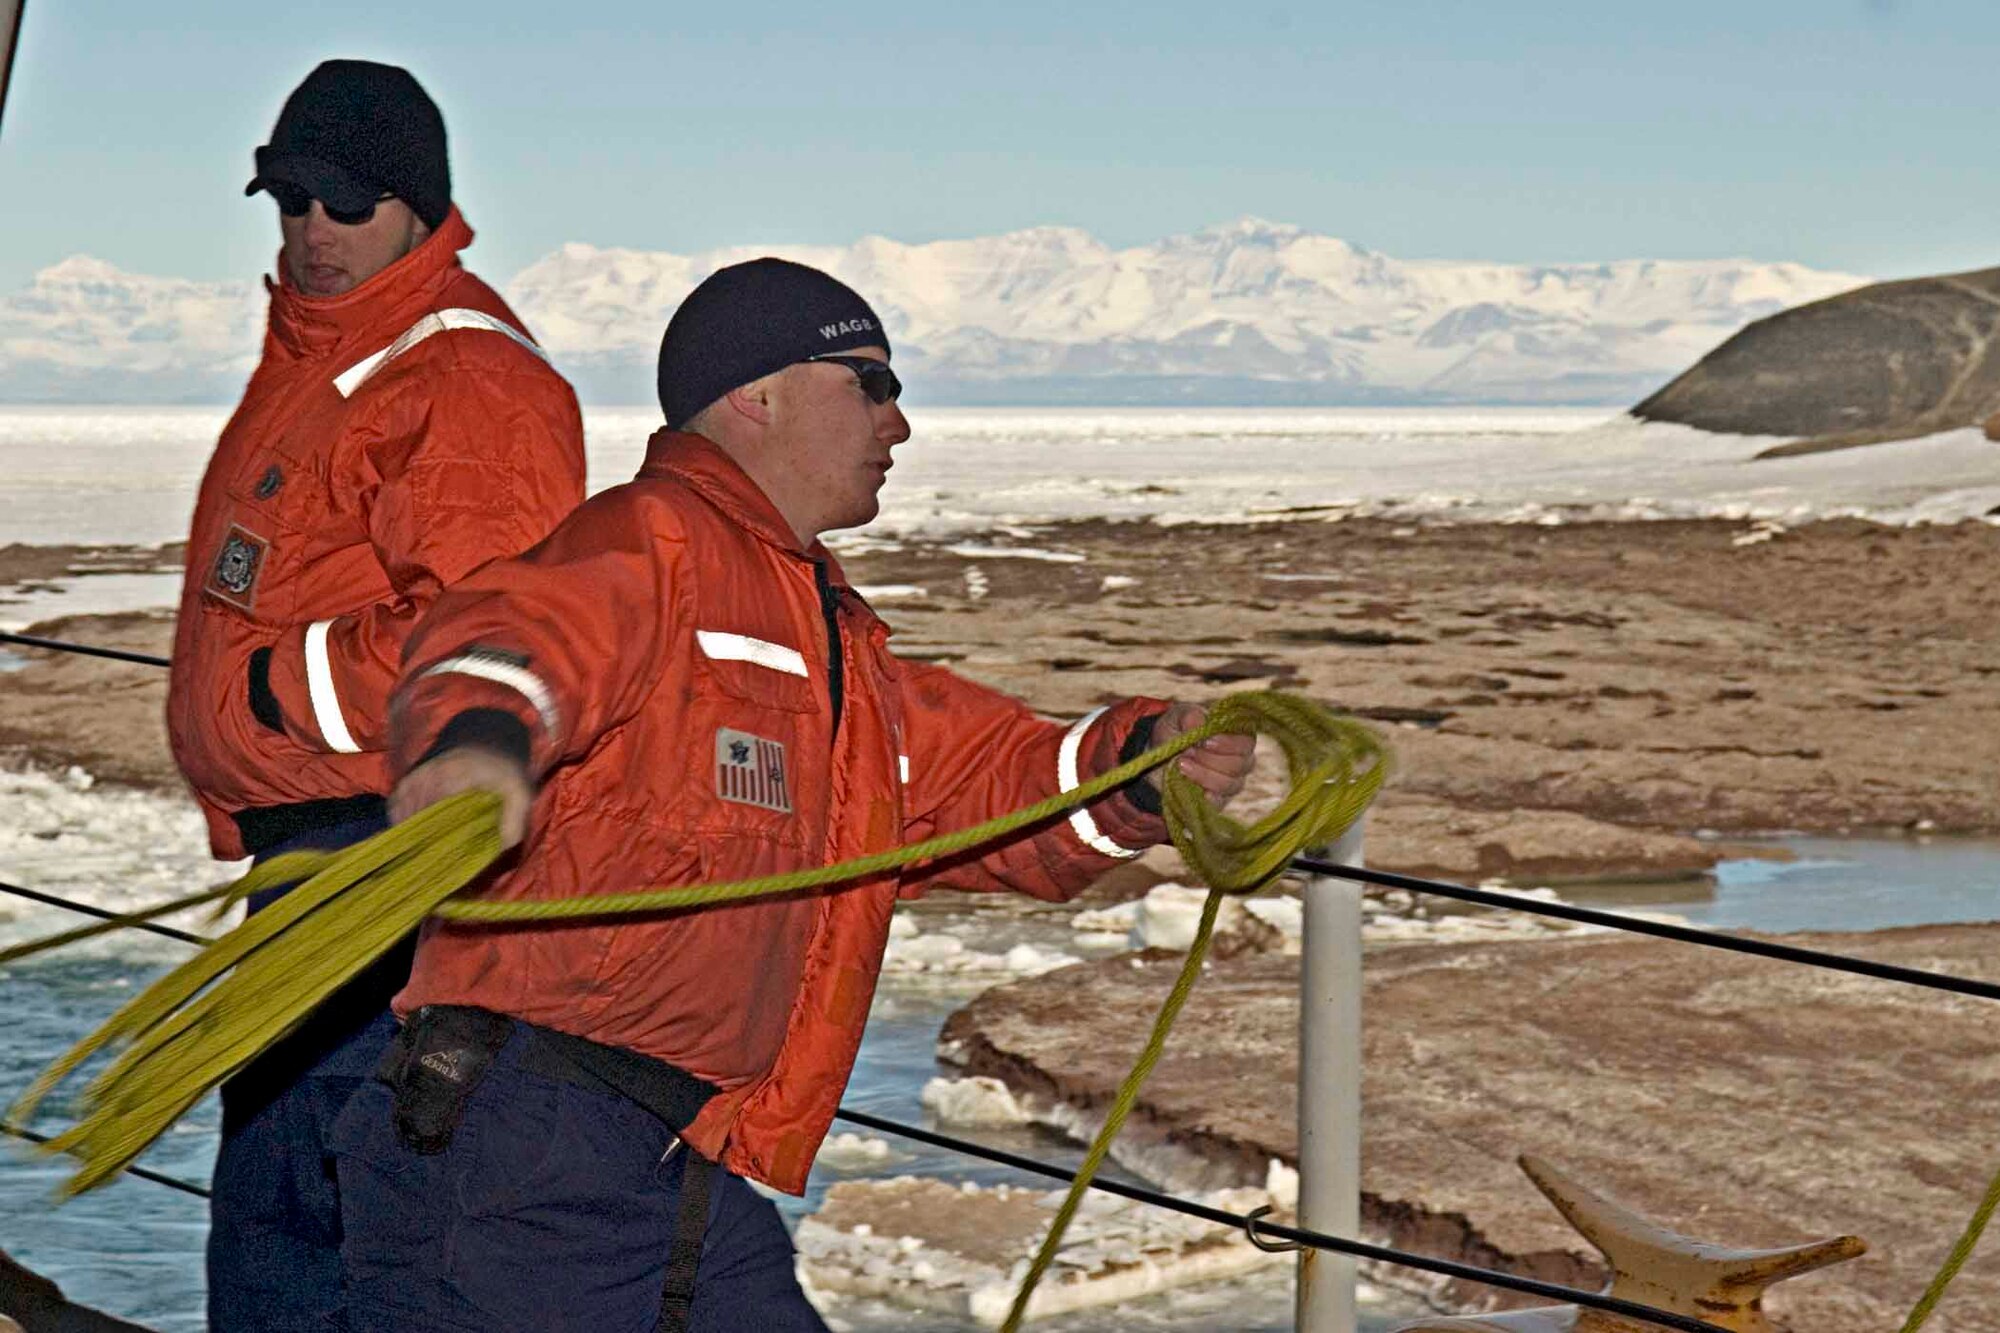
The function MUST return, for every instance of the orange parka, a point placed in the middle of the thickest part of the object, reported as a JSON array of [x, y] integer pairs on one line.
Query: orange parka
[[391, 441], [668, 662]]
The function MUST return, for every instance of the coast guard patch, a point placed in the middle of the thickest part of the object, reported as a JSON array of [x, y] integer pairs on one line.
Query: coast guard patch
[[751, 770], [233, 576]]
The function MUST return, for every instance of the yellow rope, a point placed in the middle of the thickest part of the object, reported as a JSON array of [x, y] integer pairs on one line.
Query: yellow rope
[[1114, 1120], [1961, 1250], [109, 924], [196, 1026], [209, 1017]]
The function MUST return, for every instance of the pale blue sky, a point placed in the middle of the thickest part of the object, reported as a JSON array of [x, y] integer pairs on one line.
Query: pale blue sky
[[1852, 134]]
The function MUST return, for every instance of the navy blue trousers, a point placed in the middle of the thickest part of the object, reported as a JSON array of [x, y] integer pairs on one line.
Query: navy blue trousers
[[274, 1220], [553, 1210]]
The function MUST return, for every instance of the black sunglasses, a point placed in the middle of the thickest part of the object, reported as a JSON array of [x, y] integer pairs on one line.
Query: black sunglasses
[[295, 202], [877, 380]]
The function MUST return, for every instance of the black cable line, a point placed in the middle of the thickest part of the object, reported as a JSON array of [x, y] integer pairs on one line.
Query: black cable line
[[1297, 1235], [1713, 939], [50, 899], [60, 646], [1314, 1239], [141, 1172], [1317, 1240], [1789, 953]]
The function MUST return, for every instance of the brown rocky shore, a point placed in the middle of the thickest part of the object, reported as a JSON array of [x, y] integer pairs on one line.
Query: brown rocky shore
[[1569, 701], [1742, 1101]]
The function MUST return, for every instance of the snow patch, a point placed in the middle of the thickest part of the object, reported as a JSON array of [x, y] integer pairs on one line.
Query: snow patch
[[915, 954], [1396, 917], [972, 551], [854, 1153], [972, 1103], [1167, 917]]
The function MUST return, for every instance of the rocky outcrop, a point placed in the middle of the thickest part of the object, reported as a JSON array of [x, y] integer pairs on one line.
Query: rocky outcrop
[[1563, 701], [1762, 1103], [1890, 361], [104, 716]]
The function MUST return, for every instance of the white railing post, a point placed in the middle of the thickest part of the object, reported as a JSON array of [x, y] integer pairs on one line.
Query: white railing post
[[1330, 1089]]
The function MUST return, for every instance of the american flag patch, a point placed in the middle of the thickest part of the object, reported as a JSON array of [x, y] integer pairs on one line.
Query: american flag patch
[[751, 770]]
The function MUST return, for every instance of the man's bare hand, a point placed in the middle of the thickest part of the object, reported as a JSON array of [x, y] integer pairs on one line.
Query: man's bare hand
[[1219, 765], [468, 768]]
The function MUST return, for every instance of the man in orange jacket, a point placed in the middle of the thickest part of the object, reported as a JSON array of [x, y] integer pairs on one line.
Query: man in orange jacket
[[680, 686], [401, 430]]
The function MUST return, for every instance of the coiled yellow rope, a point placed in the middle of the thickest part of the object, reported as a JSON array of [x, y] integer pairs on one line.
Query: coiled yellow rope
[[196, 1026]]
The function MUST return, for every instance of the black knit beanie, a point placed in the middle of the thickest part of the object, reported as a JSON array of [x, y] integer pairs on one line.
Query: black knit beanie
[[748, 320], [354, 129]]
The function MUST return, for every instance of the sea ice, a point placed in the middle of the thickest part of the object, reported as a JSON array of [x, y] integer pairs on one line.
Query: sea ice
[[961, 1251], [938, 955], [109, 847], [968, 1103], [92, 475]]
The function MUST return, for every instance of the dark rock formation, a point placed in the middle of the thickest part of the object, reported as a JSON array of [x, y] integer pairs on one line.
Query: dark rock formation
[[1887, 362]]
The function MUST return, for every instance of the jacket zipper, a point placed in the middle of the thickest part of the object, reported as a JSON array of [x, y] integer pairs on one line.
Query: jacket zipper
[[836, 671]]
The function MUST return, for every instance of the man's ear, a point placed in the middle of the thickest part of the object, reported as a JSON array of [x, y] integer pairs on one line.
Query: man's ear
[[752, 400]]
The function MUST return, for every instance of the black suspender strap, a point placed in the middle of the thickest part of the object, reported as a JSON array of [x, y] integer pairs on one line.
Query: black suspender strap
[[677, 1300]]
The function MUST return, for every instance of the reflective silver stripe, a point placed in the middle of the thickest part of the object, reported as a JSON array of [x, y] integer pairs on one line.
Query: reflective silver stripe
[[437, 321], [903, 768], [723, 647], [1067, 780], [319, 685], [350, 379], [485, 666]]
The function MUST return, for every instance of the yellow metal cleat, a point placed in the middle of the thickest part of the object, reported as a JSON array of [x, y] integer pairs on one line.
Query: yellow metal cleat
[[1653, 1266]]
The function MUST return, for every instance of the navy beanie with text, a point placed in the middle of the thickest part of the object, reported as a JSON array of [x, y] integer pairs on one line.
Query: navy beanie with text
[[748, 320]]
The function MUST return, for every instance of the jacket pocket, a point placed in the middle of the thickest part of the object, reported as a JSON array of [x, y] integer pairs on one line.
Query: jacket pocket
[[756, 739], [276, 508], [762, 673]]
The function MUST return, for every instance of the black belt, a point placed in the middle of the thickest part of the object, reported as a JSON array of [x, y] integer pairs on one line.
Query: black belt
[[440, 1055], [672, 1094], [266, 826]]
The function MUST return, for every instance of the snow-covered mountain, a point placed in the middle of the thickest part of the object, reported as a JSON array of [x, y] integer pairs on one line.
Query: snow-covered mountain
[[1250, 312]]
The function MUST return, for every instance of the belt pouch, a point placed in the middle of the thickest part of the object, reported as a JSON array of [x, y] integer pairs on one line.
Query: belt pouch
[[436, 1062]]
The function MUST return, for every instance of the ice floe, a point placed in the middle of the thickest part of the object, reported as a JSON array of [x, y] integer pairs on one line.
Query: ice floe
[[1167, 916], [960, 1250], [854, 1154], [109, 847], [972, 1103], [939, 955]]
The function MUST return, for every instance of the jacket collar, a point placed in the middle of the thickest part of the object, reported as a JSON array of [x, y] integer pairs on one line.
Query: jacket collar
[[380, 308], [707, 468]]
